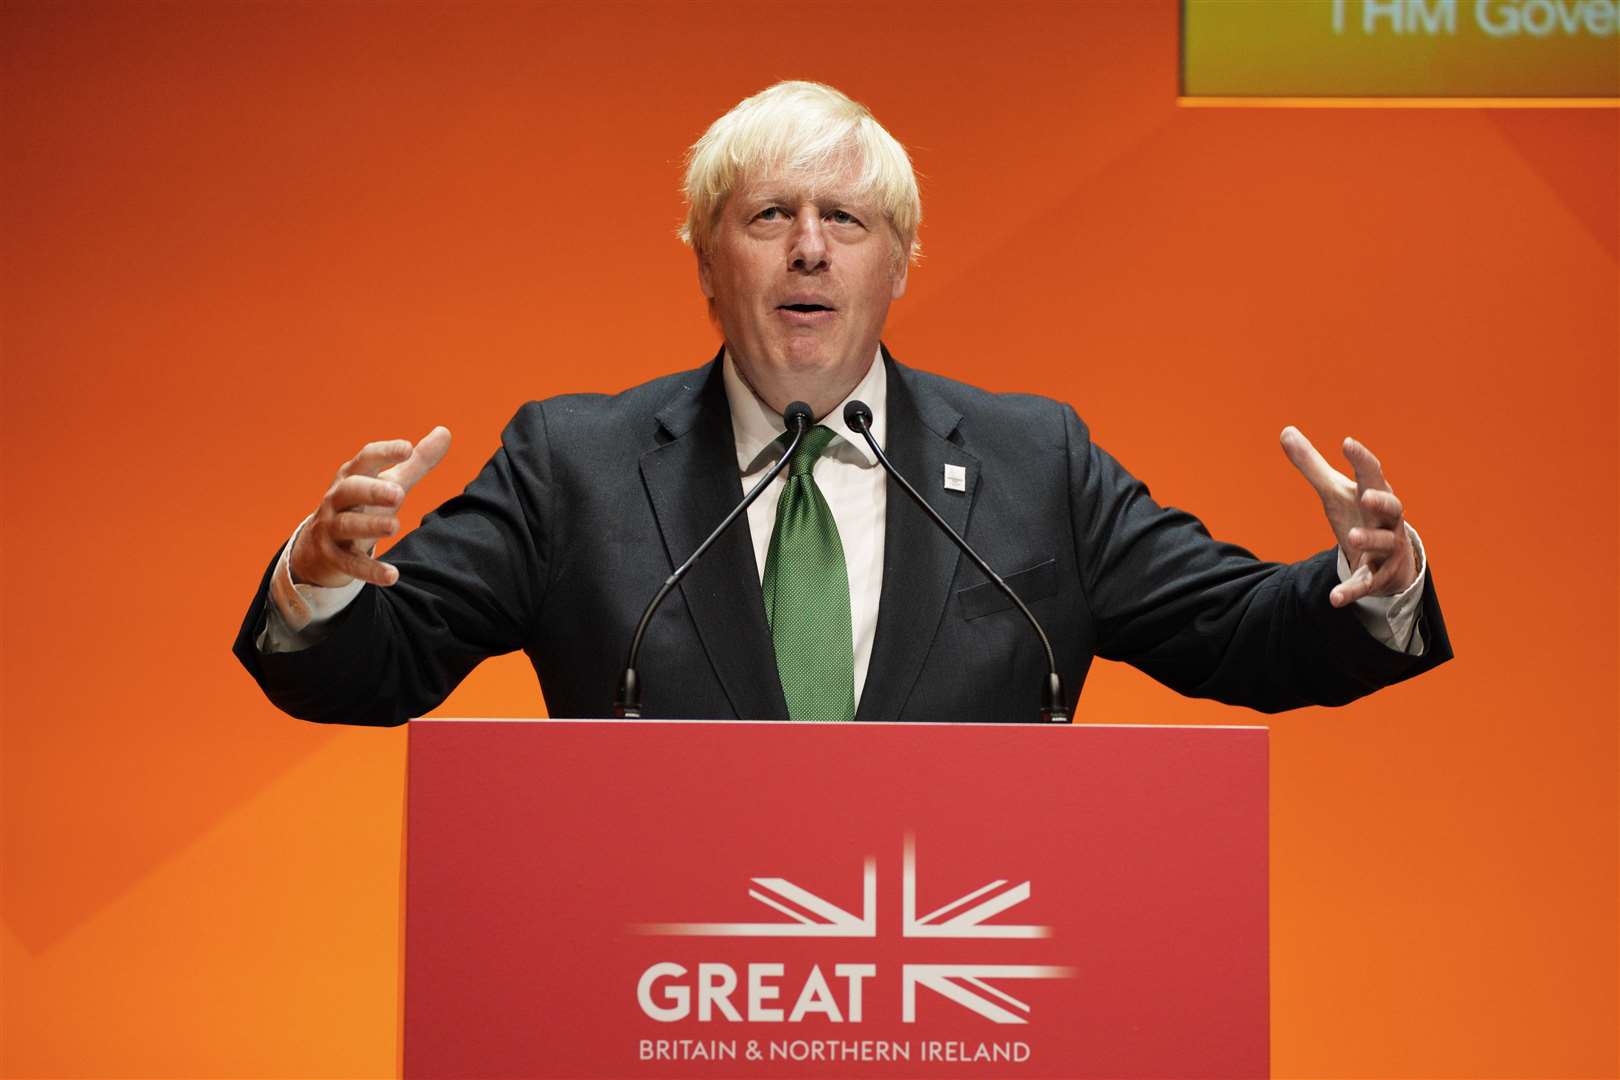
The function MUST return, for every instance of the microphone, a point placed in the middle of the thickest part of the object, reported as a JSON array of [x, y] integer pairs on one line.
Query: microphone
[[859, 418], [627, 705]]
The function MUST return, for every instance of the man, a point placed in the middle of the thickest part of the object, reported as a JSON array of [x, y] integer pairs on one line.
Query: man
[[833, 600]]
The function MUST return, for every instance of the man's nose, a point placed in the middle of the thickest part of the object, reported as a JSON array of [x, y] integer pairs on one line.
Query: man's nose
[[809, 251]]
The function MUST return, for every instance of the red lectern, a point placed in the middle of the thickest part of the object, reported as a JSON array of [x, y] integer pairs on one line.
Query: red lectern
[[663, 899]]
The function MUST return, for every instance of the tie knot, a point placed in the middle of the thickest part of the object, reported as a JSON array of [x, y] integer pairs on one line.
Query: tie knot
[[811, 447]]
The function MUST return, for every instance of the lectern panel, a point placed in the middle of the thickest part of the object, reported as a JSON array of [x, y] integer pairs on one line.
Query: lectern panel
[[645, 899]]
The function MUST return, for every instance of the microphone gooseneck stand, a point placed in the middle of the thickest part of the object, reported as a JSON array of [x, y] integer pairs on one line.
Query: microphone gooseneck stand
[[858, 416], [627, 704]]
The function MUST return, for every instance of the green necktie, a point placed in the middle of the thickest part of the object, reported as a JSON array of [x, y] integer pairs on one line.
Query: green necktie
[[807, 595]]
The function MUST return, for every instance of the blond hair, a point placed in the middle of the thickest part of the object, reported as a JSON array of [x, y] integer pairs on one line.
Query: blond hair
[[807, 130]]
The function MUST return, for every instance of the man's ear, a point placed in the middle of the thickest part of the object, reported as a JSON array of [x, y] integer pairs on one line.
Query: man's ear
[[705, 275], [900, 279]]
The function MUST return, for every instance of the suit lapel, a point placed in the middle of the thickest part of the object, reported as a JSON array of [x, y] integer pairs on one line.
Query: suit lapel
[[692, 480], [919, 561]]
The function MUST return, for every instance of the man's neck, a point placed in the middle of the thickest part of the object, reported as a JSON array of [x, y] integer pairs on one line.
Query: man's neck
[[756, 425], [822, 403]]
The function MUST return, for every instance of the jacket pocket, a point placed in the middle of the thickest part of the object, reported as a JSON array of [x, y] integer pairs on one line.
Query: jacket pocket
[[1030, 585]]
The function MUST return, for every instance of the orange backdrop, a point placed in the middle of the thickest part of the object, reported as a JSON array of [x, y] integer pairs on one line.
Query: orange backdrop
[[240, 239]]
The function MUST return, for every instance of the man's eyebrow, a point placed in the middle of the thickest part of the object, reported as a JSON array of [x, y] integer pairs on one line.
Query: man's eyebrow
[[824, 199], [860, 203]]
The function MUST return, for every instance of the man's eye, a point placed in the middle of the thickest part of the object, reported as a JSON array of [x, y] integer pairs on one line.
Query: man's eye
[[843, 217], [771, 213]]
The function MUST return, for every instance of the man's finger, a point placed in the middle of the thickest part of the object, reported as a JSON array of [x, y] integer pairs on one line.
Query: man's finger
[[428, 453], [1358, 585], [353, 525], [1323, 477], [375, 457], [353, 492], [1369, 471], [1383, 506], [363, 568], [1375, 541]]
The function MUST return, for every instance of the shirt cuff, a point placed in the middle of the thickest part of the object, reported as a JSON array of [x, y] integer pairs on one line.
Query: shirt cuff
[[297, 613], [1393, 619]]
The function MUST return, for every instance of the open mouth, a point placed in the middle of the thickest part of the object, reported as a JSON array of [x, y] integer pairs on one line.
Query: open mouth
[[805, 309]]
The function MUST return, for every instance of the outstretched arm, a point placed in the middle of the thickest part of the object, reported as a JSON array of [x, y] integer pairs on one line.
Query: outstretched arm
[[460, 588], [1210, 620]]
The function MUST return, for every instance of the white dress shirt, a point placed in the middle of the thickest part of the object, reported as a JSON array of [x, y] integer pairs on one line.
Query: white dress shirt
[[856, 490]]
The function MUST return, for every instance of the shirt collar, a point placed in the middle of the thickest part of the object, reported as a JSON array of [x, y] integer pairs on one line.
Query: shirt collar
[[755, 425]]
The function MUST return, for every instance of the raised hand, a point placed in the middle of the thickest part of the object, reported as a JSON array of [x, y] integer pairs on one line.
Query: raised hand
[[360, 508], [1366, 516]]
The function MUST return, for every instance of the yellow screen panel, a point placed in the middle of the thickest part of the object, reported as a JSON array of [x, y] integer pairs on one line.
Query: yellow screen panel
[[1538, 49]]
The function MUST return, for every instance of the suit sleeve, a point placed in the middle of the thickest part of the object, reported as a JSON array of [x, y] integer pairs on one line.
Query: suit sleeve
[[1210, 620], [471, 579]]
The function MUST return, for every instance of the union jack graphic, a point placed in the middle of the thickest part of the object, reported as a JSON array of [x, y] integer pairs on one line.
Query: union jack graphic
[[833, 922], [811, 916], [966, 924]]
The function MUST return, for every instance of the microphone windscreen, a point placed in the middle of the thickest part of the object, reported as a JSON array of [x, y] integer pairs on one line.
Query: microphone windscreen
[[797, 415], [857, 416]]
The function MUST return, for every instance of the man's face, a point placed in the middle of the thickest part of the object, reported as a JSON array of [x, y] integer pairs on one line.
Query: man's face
[[801, 283]]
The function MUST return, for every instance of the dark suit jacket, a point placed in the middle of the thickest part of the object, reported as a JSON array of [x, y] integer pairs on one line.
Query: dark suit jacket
[[571, 527]]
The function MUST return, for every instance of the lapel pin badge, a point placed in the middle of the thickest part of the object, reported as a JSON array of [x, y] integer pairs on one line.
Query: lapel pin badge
[[955, 478]]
